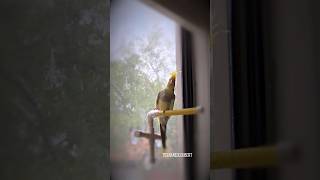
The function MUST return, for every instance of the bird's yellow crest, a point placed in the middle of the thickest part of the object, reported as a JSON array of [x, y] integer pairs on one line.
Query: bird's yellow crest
[[173, 74]]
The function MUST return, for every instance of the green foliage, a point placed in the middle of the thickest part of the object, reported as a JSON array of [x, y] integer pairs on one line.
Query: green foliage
[[136, 77]]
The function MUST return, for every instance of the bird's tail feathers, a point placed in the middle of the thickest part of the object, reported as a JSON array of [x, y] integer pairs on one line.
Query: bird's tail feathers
[[163, 129]]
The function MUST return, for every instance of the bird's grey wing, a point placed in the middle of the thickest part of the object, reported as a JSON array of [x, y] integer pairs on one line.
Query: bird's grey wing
[[172, 102]]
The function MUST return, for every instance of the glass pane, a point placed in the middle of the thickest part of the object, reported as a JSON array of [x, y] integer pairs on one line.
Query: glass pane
[[143, 53]]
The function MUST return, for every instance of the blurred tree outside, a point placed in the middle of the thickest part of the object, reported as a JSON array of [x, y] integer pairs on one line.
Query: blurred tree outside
[[136, 77]]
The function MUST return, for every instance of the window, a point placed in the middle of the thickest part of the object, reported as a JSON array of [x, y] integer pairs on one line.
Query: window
[[143, 53]]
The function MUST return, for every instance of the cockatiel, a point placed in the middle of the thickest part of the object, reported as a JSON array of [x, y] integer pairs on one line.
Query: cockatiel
[[165, 101]]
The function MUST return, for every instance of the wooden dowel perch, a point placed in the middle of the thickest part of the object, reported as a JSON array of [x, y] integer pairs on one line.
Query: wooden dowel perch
[[268, 156], [186, 111], [245, 158]]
